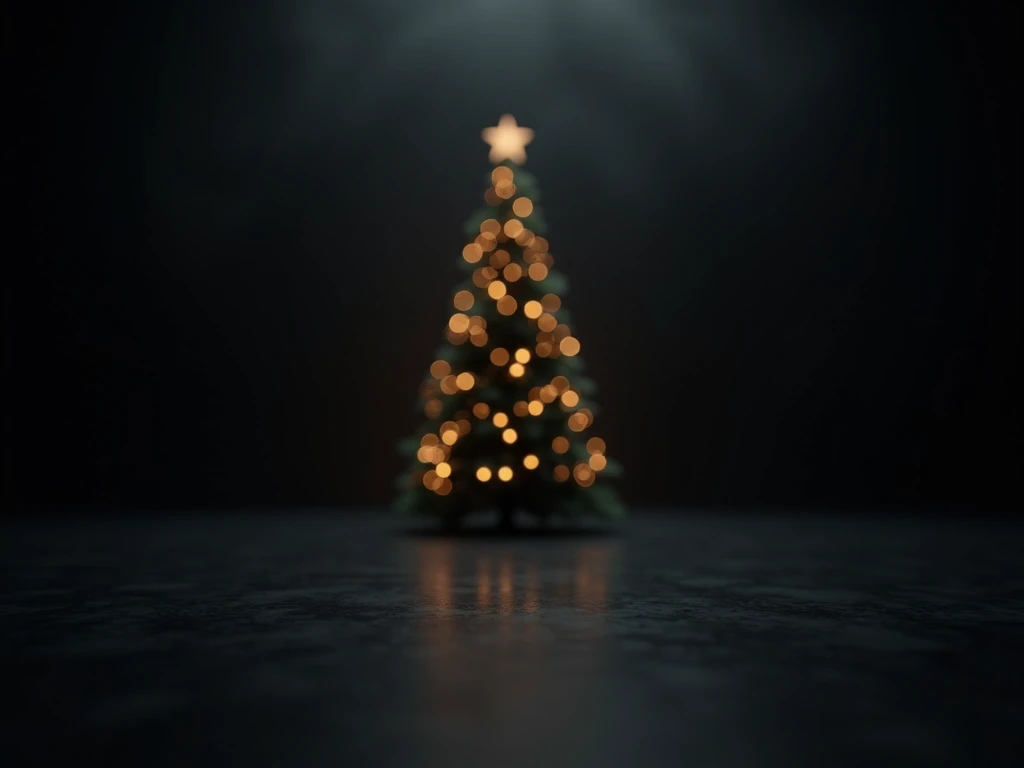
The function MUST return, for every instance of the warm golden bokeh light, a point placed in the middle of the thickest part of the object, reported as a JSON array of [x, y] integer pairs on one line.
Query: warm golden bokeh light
[[549, 393], [595, 445], [577, 422], [464, 426], [425, 453], [499, 356], [507, 306], [504, 189], [541, 244], [516, 370], [472, 253], [546, 322], [478, 338], [444, 469], [569, 346], [505, 474], [463, 301], [588, 415], [500, 419], [543, 349], [537, 271], [509, 436], [429, 439], [512, 272], [560, 444], [530, 461], [501, 173], [522, 207], [490, 227], [521, 408], [481, 410], [499, 258], [465, 381], [439, 369], [584, 474], [532, 309], [444, 488], [561, 473], [535, 408], [483, 474], [496, 289], [449, 436], [570, 399], [560, 332], [513, 227], [598, 462], [480, 279], [486, 241], [430, 480], [522, 355], [525, 237], [551, 302], [459, 322], [560, 383], [449, 385]]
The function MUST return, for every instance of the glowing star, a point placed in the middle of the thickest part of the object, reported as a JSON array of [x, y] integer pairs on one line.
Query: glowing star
[[508, 141]]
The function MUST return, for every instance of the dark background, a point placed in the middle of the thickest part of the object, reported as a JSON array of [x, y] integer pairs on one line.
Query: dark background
[[792, 232]]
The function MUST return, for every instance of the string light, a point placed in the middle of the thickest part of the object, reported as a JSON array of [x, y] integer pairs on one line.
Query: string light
[[464, 426], [525, 238], [449, 436], [505, 474], [543, 349], [521, 408], [570, 399], [551, 302], [483, 474], [535, 408], [560, 444], [516, 370], [444, 469], [522, 355], [512, 272], [537, 271], [506, 306], [522, 207], [532, 309], [549, 393], [561, 473], [509, 436], [465, 381], [513, 227], [478, 338], [490, 227], [588, 415], [530, 461], [502, 173], [595, 445], [504, 189], [486, 241], [439, 369], [499, 258], [584, 474], [463, 301], [547, 322], [458, 322], [473, 253], [499, 356], [560, 383], [480, 410], [430, 480], [444, 488], [577, 422], [449, 385], [598, 462], [480, 280], [496, 289], [569, 346], [500, 420]]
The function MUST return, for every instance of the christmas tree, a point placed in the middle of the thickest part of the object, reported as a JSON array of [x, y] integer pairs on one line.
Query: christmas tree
[[508, 412]]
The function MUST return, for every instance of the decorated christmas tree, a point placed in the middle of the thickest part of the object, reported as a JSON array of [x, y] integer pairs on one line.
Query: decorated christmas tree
[[509, 415]]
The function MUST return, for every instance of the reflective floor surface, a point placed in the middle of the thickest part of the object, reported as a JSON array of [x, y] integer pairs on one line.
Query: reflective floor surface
[[690, 639]]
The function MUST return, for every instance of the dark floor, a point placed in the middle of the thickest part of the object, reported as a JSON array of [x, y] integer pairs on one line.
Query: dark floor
[[309, 639]]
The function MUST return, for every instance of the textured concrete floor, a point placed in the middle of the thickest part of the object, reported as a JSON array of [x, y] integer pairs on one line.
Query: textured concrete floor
[[308, 639]]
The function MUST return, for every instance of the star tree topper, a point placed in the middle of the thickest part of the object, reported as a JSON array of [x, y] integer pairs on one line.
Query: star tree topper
[[508, 141]]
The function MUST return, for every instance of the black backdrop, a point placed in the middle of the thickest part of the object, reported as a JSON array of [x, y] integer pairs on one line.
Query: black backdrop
[[792, 234]]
